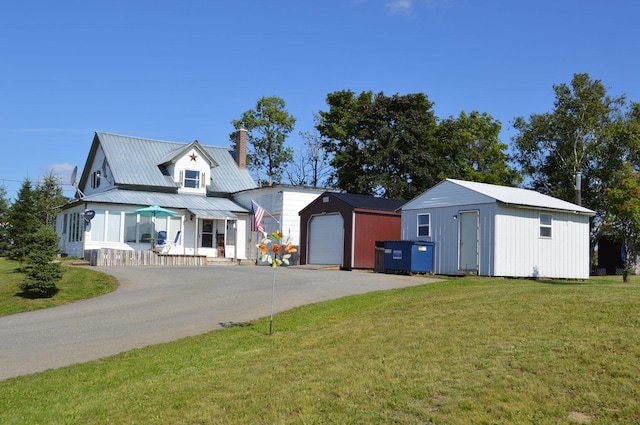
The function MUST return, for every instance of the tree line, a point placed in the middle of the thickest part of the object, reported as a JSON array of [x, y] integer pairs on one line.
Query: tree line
[[27, 234], [396, 147]]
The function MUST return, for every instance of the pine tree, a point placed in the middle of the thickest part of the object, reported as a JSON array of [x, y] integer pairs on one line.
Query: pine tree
[[43, 272], [24, 221], [4, 223]]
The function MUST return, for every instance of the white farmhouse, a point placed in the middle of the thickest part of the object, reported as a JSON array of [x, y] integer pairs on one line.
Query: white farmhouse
[[491, 230], [208, 188]]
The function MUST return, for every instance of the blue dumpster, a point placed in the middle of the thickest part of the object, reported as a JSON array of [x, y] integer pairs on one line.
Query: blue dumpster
[[408, 257]]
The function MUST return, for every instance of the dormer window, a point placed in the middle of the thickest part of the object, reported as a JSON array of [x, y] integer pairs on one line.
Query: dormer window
[[191, 179]]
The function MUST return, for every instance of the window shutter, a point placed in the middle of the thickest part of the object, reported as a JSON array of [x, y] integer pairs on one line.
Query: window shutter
[[181, 178], [203, 184]]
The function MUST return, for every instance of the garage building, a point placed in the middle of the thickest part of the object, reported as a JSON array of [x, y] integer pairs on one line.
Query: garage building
[[341, 229]]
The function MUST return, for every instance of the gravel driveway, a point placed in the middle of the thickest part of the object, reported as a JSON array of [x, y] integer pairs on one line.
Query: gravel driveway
[[161, 304]]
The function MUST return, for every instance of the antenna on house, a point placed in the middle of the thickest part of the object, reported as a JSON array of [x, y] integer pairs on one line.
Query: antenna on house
[[74, 182]]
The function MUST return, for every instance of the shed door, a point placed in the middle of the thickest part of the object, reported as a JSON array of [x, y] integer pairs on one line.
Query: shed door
[[469, 241], [325, 239]]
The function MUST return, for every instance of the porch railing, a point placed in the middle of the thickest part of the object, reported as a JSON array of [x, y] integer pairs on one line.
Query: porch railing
[[105, 257]]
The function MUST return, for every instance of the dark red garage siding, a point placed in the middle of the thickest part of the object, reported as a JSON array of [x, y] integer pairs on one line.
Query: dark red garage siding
[[366, 220], [372, 226]]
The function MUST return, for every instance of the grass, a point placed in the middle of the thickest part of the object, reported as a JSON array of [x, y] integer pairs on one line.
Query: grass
[[461, 351], [76, 284]]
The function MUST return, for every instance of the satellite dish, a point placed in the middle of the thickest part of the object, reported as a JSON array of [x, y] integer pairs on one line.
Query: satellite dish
[[74, 182], [88, 215], [74, 174]]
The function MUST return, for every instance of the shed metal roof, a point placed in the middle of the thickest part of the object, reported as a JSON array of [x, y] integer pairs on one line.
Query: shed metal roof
[[437, 196]]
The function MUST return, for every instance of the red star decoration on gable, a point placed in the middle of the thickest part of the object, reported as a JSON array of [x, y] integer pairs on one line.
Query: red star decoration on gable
[[193, 156]]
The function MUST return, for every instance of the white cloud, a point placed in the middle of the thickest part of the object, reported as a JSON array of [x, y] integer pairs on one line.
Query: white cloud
[[62, 170], [400, 6]]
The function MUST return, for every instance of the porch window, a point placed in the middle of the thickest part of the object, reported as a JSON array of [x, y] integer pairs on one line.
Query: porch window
[[545, 225], [192, 179], [207, 233], [424, 227], [130, 226], [97, 227], [113, 226], [231, 232], [76, 227]]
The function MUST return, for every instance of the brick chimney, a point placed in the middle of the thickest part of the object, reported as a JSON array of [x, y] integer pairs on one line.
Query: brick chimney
[[241, 148]]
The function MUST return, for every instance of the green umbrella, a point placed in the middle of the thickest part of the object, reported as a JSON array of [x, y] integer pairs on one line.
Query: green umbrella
[[154, 211]]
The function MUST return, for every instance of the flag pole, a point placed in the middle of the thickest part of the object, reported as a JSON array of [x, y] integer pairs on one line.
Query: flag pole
[[273, 291]]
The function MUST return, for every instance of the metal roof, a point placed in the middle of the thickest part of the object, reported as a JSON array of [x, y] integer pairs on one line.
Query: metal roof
[[208, 206], [368, 202], [135, 162], [437, 196]]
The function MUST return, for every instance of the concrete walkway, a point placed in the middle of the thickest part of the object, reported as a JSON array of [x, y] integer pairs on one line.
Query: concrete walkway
[[161, 304]]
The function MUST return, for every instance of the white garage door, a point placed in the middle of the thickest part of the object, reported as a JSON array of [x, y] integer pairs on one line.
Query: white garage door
[[325, 239]]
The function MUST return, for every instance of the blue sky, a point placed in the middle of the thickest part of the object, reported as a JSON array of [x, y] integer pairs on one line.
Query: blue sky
[[182, 70]]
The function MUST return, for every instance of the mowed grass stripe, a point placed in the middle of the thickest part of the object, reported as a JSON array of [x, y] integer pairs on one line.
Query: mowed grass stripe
[[468, 350]]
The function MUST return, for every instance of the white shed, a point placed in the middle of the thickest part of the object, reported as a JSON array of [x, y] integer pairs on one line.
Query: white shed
[[491, 230]]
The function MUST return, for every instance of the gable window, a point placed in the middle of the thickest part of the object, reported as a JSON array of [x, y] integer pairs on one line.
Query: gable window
[[95, 179], [424, 225], [192, 179], [545, 225]]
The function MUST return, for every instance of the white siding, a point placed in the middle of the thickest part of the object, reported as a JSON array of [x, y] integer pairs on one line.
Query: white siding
[[98, 164], [200, 165], [521, 252], [445, 234], [284, 204], [510, 242], [293, 203], [447, 194]]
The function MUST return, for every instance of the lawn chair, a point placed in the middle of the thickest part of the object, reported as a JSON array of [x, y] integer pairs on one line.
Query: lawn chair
[[167, 247]]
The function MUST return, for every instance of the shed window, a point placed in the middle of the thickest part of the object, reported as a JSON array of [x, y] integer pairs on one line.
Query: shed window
[[545, 225], [424, 227]]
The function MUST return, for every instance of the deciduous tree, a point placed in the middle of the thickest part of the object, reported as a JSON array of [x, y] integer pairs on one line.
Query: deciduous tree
[[381, 145], [471, 143], [393, 146], [268, 126], [623, 214], [587, 131], [310, 166]]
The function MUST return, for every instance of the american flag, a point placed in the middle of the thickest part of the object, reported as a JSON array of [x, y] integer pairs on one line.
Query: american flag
[[258, 214]]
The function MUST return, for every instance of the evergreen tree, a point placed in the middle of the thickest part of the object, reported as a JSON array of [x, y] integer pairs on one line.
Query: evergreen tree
[[43, 272], [24, 220], [4, 220], [49, 197]]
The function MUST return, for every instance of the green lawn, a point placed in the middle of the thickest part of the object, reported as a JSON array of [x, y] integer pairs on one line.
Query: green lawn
[[76, 284], [461, 351]]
